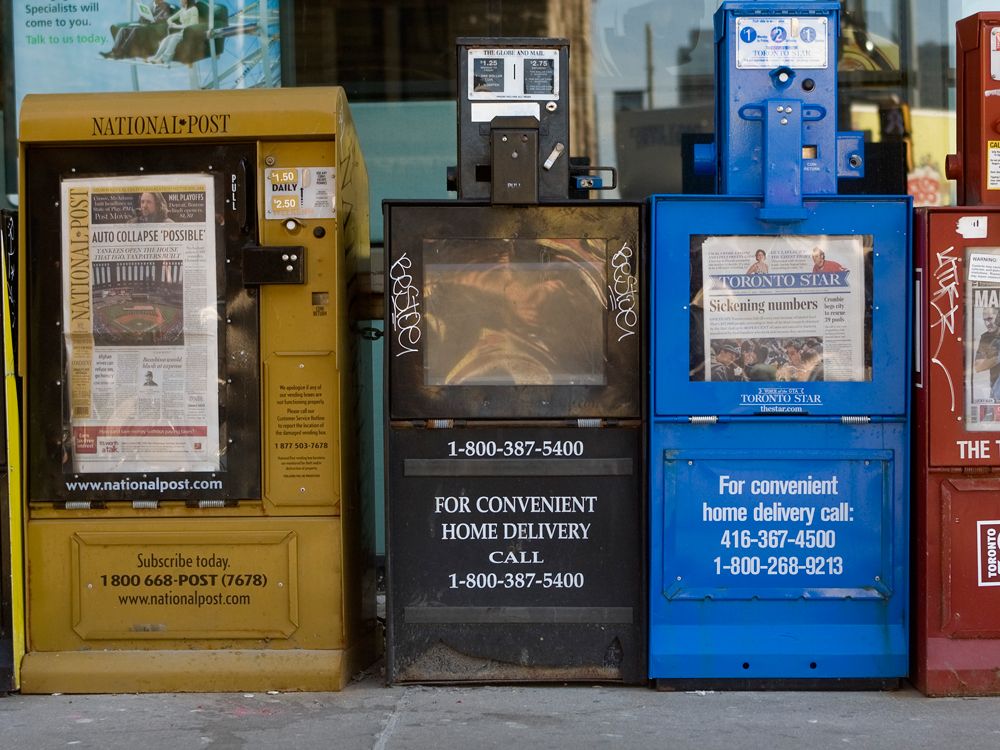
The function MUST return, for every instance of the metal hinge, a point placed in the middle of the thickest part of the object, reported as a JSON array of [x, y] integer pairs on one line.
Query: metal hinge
[[145, 504], [211, 503], [78, 505], [704, 420], [855, 420], [439, 424], [590, 422]]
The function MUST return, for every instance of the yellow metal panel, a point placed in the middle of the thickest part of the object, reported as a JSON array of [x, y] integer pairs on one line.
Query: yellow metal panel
[[192, 115], [153, 585], [128, 584], [233, 670], [12, 430], [302, 435]]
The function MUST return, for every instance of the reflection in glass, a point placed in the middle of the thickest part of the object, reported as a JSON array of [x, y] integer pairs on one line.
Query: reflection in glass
[[515, 312]]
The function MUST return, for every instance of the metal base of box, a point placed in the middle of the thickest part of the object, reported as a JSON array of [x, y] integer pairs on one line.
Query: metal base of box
[[958, 667], [193, 671], [761, 685]]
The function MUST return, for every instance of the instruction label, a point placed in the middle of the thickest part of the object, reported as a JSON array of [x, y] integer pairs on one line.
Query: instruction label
[[184, 584], [300, 192], [759, 525], [513, 74], [993, 165], [771, 42]]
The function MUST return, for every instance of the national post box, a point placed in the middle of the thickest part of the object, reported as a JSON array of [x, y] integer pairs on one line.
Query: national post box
[[514, 380], [192, 516], [957, 395], [778, 385]]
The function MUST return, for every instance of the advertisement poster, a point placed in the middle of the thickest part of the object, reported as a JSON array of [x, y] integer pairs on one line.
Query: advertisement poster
[[144, 45], [982, 322], [140, 323], [783, 308]]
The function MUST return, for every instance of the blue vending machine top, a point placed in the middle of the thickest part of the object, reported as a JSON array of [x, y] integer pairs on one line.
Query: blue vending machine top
[[778, 444]]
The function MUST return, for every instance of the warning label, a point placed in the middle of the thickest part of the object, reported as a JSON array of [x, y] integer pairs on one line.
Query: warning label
[[993, 165]]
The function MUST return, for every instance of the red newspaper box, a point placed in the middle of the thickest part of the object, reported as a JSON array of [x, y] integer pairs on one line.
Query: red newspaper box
[[956, 459]]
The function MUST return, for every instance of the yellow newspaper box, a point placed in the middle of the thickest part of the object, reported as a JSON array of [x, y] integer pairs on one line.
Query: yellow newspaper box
[[192, 519]]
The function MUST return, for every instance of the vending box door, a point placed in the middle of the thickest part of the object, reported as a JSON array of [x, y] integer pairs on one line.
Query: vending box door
[[753, 318], [961, 310], [138, 305], [528, 312]]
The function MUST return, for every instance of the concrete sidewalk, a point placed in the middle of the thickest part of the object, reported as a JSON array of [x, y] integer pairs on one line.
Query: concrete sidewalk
[[369, 715]]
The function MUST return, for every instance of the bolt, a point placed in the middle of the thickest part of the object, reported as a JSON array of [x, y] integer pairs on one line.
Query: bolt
[[780, 108], [784, 120], [551, 106], [269, 161]]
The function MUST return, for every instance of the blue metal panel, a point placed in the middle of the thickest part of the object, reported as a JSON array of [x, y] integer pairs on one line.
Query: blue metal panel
[[758, 595], [745, 93], [676, 219]]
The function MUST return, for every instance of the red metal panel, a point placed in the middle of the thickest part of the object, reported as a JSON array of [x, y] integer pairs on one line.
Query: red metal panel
[[970, 557], [978, 109], [944, 349]]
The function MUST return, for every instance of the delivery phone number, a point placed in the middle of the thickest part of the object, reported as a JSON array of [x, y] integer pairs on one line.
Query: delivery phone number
[[516, 580], [163, 580], [301, 446], [814, 565], [509, 448]]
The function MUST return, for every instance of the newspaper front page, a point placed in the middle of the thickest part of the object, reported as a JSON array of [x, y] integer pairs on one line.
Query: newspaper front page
[[982, 321], [783, 308], [141, 323]]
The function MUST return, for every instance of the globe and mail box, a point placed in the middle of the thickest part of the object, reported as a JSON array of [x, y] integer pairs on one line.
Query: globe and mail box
[[957, 394], [514, 399], [189, 472], [779, 397]]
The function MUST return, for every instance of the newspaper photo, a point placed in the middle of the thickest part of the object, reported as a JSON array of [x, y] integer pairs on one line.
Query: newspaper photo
[[140, 323], [781, 308], [982, 324]]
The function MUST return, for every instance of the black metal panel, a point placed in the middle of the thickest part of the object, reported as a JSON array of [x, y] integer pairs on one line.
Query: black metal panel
[[415, 229], [474, 164], [47, 447], [274, 265], [553, 587]]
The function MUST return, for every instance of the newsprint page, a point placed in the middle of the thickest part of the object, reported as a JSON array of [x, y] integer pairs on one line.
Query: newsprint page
[[141, 323], [784, 308]]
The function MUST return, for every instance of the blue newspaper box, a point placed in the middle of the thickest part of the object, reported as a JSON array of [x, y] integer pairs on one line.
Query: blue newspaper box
[[779, 403]]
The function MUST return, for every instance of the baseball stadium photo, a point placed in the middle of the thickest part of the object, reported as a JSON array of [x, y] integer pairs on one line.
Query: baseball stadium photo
[[138, 303]]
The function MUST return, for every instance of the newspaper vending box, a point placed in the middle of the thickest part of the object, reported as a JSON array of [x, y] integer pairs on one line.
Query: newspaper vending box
[[957, 395], [192, 518], [778, 517], [514, 381]]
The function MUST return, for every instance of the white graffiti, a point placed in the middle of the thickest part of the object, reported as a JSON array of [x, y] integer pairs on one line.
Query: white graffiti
[[622, 291], [943, 300], [405, 317]]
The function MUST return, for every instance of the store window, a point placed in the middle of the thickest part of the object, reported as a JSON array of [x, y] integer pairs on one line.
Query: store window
[[642, 88]]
